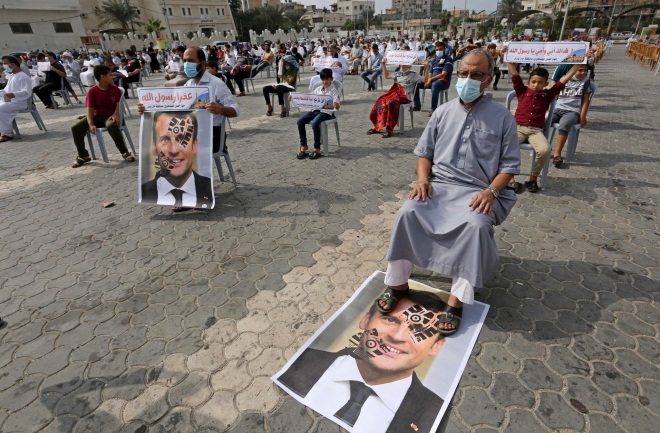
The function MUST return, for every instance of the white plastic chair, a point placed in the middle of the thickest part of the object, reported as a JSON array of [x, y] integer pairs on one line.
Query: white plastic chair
[[32, 109], [324, 133], [99, 133], [574, 132], [134, 85], [221, 153], [402, 116], [380, 77], [526, 146], [63, 92], [444, 96]]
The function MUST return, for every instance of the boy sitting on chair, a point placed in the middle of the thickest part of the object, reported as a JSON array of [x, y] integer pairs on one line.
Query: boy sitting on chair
[[102, 112], [316, 117]]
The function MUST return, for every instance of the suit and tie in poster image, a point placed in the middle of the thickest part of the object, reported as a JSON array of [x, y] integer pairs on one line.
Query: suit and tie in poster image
[[176, 148], [383, 373]]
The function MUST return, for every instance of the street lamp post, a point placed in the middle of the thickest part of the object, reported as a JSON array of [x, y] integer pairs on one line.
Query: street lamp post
[[563, 26], [167, 18], [609, 26]]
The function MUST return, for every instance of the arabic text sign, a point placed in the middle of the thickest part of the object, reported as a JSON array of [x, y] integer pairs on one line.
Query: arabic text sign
[[323, 63], [173, 98], [43, 66], [547, 52], [309, 101], [404, 57]]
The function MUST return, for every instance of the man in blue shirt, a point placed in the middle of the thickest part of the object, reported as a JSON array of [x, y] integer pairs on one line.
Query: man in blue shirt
[[374, 68], [439, 74]]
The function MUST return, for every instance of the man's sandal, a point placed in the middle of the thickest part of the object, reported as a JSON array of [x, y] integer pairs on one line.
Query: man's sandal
[[128, 157], [390, 297], [557, 161], [372, 131], [80, 161], [388, 134], [452, 316]]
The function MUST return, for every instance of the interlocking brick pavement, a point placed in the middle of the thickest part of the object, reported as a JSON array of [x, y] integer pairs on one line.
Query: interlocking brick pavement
[[133, 319]]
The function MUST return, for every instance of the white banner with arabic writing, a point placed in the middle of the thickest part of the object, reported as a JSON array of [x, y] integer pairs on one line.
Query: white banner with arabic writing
[[309, 101], [547, 52], [173, 98], [43, 66], [405, 57], [176, 148], [325, 62]]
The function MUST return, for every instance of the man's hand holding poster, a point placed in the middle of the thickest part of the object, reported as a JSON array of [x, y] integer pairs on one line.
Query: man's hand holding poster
[[547, 52], [176, 148]]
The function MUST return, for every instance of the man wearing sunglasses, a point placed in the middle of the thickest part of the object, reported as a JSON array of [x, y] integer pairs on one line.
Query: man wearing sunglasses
[[467, 156]]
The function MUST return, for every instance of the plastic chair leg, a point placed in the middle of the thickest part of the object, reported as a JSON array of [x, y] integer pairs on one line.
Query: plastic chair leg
[[104, 152], [128, 138], [91, 145], [337, 132], [17, 133], [324, 137], [218, 166], [230, 168]]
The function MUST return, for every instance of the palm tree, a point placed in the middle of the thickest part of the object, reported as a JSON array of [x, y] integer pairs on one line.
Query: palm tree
[[509, 9], [153, 25], [445, 18], [117, 12], [454, 24]]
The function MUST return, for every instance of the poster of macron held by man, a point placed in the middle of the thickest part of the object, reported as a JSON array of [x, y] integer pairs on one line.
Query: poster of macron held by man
[[176, 148]]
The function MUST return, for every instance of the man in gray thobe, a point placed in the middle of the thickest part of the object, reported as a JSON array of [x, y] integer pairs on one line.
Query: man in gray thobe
[[468, 153]]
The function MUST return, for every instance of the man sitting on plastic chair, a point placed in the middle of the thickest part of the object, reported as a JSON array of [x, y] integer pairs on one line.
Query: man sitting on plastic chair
[[102, 103], [15, 96], [316, 117]]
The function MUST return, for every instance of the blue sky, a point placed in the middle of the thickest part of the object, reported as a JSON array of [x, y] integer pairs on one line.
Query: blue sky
[[488, 5]]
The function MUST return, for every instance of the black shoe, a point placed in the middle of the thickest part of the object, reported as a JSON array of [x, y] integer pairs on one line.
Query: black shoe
[[532, 186], [518, 187], [302, 155]]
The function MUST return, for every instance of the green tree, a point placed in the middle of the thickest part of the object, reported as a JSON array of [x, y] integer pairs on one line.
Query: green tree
[[117, 12], [454, 24], [292, 20], [348, 25], [509, 9], [153, 25], [445, 19]]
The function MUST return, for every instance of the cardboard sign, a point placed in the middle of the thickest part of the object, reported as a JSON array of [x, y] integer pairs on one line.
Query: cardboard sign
[[547, 52], [326, 62], [43, 66], [310, 101], [176, 148], [405, 57], [173, 98]]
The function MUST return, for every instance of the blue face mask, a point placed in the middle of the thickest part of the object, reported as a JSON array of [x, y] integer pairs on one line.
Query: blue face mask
[[7, 68], [190, 69], [468, 89]]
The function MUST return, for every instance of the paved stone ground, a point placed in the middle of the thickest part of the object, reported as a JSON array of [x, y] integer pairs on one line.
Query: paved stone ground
[[132, 319]]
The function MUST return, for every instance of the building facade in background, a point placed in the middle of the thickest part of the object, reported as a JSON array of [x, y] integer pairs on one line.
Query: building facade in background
[[183, 15], [354, 9], [27, 25]]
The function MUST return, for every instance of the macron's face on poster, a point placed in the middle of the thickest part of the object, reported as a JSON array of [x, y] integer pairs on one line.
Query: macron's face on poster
[[175, 147], [395, 338]]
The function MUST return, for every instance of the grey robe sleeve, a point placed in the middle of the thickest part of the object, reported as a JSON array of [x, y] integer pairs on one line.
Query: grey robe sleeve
[[426, 144], [510, 153]]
